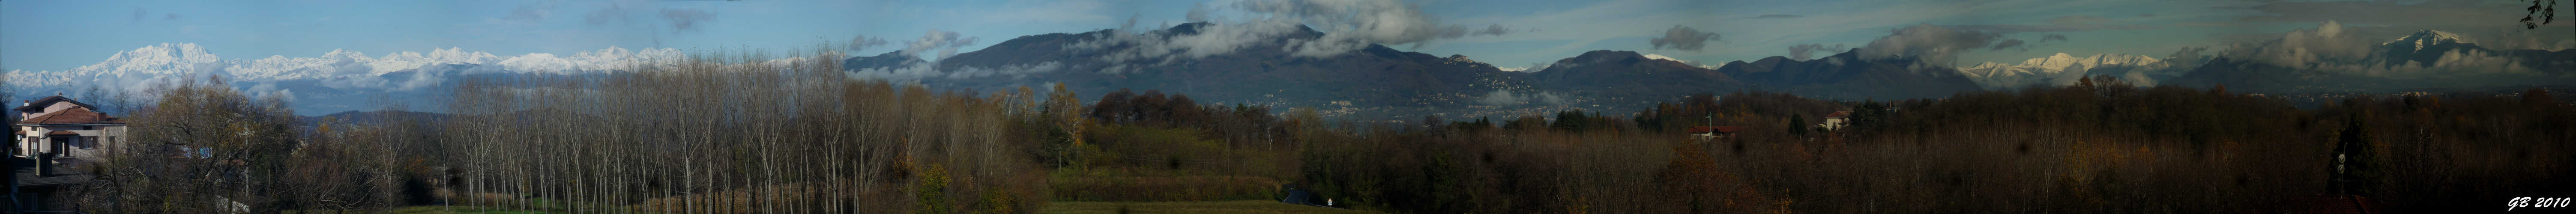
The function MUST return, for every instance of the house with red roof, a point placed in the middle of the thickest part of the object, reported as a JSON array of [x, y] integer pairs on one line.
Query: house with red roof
[[55, 133], [60, 127]]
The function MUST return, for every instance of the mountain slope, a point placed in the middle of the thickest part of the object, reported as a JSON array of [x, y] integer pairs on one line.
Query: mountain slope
[[1267, 71], [339, 80], [1262, 72], [2425, 59], [1848, 76], [1626, 74], [2425, 48], [2255, 77], [2063, 69]]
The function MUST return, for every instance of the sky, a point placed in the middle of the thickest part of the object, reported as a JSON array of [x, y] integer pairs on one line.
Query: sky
[[43, 35]]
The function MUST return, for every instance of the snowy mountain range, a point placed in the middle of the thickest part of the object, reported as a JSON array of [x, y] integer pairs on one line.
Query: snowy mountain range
[[2429, 58], [342, 80], [339, 72], [2064, 69]]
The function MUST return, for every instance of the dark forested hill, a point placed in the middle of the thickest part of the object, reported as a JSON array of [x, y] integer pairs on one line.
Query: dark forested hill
[[1268, 72], [1274, 71]]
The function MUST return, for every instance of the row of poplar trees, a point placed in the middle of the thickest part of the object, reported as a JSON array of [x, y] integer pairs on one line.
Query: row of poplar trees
[[723, 132]]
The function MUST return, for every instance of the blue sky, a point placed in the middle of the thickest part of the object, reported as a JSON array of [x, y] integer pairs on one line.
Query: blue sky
[[40, 35]]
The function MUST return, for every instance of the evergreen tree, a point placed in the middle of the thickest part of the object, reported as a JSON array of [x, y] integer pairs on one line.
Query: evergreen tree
[[2355, 170], [1798, 125]]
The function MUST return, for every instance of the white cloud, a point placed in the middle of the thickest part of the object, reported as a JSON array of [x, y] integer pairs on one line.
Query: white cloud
[[1346, 26], [338, 70], [686, 20], [1020, 70], [2333, 47], [1533, 67], [863, 42], [1684, 38], [2327, 44], [265, 90], [1803, 52], [1662, 57], [1501, 98], [946, 42], [918, 71], [1507, 98], [1933, 43], [1686, 62], [1351, 24]]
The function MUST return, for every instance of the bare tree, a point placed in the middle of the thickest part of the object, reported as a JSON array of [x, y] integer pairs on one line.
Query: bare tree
[[2543, 10]]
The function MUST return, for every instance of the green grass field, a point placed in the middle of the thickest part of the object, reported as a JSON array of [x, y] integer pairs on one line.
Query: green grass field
[[1243, 206]]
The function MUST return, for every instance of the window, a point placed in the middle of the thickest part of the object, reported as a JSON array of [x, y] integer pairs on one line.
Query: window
[[89, 142]]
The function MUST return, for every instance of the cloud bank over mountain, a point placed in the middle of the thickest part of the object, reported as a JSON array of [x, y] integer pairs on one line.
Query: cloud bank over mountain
[[1804, 52], [2329, 52], [1344, 26], [1934, 43], [2065, 69], [1684, 38], [2330, 47], [339, 71]]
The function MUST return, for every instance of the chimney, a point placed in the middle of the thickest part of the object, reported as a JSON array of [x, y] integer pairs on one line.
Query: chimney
[[43, 168]]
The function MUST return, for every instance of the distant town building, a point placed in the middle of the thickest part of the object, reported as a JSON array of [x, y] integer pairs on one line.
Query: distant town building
[[1714, 132], [1836, 120]]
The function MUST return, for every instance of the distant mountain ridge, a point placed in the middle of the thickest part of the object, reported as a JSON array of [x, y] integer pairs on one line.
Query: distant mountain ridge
[[179, 59], [339, 80], [2425, 59], [1626, 74], [1263, 72], [1272, 68], [1266, 72], [1849, 76], [2064, 69]]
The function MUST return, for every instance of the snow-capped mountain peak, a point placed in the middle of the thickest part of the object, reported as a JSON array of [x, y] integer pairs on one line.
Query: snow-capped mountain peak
[[336, 80], [182, 60], [2062, 68], [156, 59], [2054, 62], [2422, 39], [1686, 62]]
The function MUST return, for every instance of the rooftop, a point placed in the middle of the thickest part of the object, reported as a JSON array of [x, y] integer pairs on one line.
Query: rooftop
[[73, 116]]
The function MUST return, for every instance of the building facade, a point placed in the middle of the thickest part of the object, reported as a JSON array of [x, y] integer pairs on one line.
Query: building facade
[[56, 134]]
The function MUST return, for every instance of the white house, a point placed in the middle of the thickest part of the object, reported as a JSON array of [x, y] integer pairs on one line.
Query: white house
[[56, 133], [58, 127], [1836, 120]]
